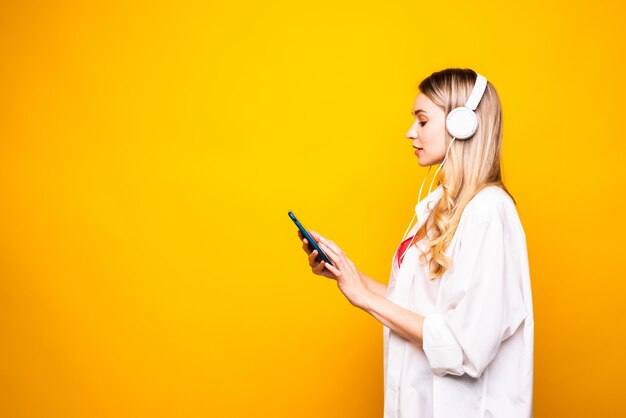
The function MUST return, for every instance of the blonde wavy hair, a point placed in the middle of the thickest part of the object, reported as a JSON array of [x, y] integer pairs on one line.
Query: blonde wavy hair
[[472, 164]]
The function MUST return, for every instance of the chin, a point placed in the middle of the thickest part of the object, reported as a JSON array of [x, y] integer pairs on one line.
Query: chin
[[429, 163]]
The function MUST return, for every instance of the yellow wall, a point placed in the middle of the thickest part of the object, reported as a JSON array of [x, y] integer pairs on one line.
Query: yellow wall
[[149, 154]]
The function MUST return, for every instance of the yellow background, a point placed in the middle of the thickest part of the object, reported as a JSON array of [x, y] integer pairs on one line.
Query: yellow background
[[150, 151]]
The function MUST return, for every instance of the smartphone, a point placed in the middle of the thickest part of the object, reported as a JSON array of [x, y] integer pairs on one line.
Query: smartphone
[[309, 238]]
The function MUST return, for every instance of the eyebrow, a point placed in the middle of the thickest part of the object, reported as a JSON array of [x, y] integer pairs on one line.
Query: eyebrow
[[415, 112]]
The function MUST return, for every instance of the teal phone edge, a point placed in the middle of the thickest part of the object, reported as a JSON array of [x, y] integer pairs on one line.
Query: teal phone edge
[[310, 239]]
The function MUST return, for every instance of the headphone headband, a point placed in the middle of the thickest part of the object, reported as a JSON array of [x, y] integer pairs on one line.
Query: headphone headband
[[477, 92]]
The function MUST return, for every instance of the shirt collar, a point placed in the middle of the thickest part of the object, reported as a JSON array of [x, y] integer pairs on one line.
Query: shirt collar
[[423, 208]]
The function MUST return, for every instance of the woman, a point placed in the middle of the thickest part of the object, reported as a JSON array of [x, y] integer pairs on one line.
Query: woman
[[457, 313]]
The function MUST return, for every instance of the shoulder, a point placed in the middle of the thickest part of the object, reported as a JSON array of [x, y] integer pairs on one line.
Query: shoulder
[[489, 204], [491, 219]]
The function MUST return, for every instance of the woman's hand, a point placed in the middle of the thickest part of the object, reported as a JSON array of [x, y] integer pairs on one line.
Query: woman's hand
[[317, 267], [345, 272]]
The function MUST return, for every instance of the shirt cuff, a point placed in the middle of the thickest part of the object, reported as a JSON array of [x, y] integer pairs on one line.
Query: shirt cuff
[[442, 350]]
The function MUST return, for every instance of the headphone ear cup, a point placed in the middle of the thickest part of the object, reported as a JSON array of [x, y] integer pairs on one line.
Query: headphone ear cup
[[462, 122]]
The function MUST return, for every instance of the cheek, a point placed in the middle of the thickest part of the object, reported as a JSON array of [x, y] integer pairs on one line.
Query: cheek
[[432, 134], [435, 140], [437, 134]]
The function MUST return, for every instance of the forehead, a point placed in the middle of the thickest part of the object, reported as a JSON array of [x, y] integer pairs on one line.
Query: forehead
[[423, 102]]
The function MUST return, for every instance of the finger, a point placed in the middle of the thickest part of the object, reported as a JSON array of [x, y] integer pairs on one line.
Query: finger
[[319, 268], [333, 269], [330, 253], [315, 235], [305, 246], [312, 258], [331, 245], [302, 237]]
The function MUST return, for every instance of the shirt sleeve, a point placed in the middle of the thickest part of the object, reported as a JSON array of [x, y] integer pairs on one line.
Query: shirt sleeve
[[484, 300]]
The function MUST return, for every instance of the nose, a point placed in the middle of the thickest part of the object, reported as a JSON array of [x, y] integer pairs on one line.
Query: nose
[[412, 133]]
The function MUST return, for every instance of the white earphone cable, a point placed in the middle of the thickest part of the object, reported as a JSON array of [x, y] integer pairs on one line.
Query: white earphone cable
[[393, 260]]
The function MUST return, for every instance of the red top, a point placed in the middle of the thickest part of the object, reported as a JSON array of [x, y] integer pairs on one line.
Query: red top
[[403, 247]]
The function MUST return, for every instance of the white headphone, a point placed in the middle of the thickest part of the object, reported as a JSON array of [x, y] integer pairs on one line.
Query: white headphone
[[462, 124]]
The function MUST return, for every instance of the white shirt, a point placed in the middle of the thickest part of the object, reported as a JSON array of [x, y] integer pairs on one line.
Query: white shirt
[[477, 354]]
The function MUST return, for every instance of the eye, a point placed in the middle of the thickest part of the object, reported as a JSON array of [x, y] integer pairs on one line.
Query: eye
[[422, 123]]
